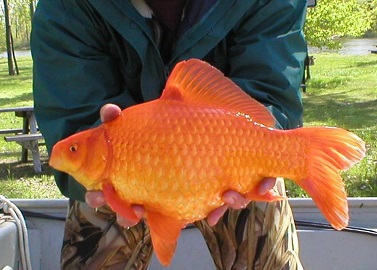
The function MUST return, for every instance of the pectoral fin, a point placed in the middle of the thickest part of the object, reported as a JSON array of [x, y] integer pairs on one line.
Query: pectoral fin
[[164, 233], [117, 204]]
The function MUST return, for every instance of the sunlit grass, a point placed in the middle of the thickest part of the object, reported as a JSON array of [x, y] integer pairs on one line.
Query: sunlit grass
[[18, 180], [342, 92]]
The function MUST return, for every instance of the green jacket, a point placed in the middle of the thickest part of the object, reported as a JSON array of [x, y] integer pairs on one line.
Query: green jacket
[[91, 52]]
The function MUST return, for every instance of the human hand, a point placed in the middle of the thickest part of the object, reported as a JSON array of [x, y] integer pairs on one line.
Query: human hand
[[231, 198], [96, 199], [235, 200]]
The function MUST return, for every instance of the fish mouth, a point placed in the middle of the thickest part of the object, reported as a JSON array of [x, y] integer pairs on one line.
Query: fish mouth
[[56, 162]]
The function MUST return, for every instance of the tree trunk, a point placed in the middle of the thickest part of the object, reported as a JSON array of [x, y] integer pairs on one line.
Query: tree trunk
[[8, 39], [14, 55], [31, 9]]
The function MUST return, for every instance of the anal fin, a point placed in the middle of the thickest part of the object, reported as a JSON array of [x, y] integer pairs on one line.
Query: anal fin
[[164, 233]]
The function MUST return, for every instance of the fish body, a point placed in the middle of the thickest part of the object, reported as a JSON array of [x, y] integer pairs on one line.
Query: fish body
[[182, 158], [177, 155]]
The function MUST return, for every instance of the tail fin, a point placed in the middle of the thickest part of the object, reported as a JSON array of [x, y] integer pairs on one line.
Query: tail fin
[[329, 151]]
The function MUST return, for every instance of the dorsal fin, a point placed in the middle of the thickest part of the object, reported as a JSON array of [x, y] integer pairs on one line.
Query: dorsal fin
[[197, 82]]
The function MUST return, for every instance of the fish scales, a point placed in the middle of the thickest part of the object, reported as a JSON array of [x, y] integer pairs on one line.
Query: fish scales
[[204, 164]]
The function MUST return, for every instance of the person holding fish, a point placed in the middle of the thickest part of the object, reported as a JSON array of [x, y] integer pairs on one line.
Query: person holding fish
[[115, 55]]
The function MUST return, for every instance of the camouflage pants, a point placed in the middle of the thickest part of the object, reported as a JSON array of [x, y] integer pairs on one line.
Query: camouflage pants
[[261, 236]]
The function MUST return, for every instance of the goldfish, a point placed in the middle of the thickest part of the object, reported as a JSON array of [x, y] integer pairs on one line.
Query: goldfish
[[178, 154]]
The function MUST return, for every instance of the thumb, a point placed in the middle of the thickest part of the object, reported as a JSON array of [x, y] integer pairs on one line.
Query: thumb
[[109, 112]]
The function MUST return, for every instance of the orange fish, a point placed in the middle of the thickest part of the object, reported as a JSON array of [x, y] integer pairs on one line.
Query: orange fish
[[177, 155]]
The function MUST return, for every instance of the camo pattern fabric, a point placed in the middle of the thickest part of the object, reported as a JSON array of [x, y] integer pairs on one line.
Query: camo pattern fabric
[[261, 236], [94, 240]]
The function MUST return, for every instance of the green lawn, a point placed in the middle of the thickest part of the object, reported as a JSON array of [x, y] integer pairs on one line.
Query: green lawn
[[18, 180], [342, 92]]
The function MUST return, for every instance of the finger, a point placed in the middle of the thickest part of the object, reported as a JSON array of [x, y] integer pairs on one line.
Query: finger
[[234, 199], [216, 214], [109, 112], [266, 185], [139, 212], [123, 222], [95, 199]]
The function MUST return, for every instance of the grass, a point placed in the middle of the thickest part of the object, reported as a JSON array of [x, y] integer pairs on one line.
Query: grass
[[342, 92], [18, 180]]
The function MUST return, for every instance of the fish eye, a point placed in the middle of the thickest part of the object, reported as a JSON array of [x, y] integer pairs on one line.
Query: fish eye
[[73, 148]]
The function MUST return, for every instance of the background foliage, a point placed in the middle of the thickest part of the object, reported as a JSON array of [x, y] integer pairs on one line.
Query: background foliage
[[339, 18], [329, 19], [21, 12]]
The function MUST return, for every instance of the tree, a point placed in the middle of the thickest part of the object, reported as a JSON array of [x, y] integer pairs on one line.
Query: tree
[[9, 40], [337, 18], [329, 19], [372, 9], [20, 13], [16, 17]]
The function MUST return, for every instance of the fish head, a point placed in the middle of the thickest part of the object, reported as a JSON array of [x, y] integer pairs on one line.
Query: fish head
[[84, 156]]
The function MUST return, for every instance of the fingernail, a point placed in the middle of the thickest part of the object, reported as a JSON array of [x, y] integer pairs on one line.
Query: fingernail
[[124, 222], [139, 211], [231, 200]]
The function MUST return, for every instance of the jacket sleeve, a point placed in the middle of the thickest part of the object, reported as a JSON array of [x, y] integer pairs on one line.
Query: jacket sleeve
[[73, 76], [266, 57]]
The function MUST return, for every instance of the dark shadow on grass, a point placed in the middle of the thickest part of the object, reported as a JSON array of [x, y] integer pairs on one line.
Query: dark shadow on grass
[[366, 63], [24, 75], [26, 97], [317, 85], [18, 170], [341, 110]]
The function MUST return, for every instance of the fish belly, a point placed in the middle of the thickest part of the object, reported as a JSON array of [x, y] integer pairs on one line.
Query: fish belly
[[180, 159]]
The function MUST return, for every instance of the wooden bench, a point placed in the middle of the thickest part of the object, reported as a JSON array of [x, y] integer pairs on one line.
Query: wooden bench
[[374, 51], [27, 135], [24, 137], [30, 142], [11, 130]]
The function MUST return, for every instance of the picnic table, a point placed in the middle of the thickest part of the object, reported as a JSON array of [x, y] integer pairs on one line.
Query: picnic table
[[374, 51], [27, 136]]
